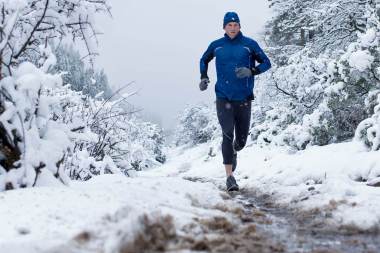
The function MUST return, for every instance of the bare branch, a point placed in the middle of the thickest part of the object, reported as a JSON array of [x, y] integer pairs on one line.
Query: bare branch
[[33, 31]]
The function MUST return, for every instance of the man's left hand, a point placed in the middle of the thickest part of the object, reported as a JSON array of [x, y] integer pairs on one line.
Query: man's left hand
[[245, 72]]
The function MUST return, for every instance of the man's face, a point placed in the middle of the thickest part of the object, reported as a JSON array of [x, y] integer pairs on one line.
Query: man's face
[[232, 29]]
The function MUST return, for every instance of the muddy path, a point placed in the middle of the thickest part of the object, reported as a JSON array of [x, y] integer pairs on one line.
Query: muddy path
[[299, 231], [250, 222], [259, 225]]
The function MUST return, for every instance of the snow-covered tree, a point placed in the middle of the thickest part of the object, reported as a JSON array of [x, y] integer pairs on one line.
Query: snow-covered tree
[[33, 143], [368, 131], [27, 24], [109, 135], [197, 124], [76, 74], [47, 129], [325, 77], [351, 78], [50, 130], [319, 24]]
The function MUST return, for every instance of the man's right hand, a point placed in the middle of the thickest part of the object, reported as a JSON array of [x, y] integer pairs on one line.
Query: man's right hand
[[203, 84]]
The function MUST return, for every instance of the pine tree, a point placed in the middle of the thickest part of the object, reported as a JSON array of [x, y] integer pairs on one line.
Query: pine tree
[[87, 80]]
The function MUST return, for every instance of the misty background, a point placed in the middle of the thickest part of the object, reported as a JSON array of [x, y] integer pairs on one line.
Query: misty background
[[158, 45]]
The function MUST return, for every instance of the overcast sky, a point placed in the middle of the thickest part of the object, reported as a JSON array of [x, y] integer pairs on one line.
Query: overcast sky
[[158, 44]]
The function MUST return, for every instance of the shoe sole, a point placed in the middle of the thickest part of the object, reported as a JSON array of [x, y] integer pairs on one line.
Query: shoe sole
[[233, 188]]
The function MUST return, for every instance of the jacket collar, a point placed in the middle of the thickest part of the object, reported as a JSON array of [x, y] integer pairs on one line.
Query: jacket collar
[[238, 37]]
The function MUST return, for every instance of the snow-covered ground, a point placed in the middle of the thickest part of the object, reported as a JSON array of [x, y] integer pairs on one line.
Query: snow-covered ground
[[332, 177], [110, 208]]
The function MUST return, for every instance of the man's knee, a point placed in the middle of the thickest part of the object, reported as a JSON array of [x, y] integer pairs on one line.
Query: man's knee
[[239, 143], [228, 136]]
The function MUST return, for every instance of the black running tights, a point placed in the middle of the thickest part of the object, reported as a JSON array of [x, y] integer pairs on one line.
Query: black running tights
[[233, 116]]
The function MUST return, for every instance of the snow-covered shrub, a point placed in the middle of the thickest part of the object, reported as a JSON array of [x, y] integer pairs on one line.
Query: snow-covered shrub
[[275, 121], [154, 141], [292, 91], [46, 128], [32, 143], [294, 136], [368, 131], [330, 77], [197, 124], [80, 135], [28, 24], [321, 25], [80, 165], [355, 72], [351, 78], [282, 127], [106, 130], [148, 148], [314, 129], [371, 101]]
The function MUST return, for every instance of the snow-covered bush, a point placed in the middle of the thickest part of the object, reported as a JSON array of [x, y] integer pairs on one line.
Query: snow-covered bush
[[351, 78], [107, 131], [320, 25], [314, 129], [368, 131], [49, 131], [80, 165], [275, 121], [197, 124], [148, 149], [294, 136], [328, 79], [32, 144], [28, 24], [283, 127], [52, 130], [291, 91]]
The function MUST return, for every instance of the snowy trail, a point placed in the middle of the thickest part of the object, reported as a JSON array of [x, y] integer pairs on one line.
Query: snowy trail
[[304, 232], [262, 225], [279, 225], [182, 207]]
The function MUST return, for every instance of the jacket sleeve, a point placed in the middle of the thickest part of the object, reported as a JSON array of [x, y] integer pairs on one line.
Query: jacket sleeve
[[206, 58], [259, 55]]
